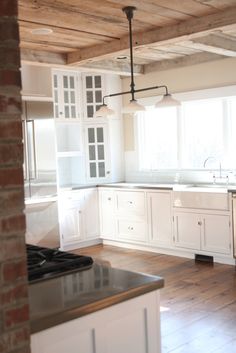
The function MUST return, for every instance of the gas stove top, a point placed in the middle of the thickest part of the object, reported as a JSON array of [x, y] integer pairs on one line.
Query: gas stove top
[[44, 263]]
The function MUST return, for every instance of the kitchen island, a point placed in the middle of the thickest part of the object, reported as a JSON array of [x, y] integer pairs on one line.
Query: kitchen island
[[102, 310]]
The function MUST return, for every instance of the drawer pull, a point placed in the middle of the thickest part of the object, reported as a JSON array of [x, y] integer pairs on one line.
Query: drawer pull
[[130, 228], [109, 198], [130, 202], [199, 223]]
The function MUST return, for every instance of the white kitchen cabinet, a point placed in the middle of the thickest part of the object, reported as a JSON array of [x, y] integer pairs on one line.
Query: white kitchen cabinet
[[93, 92], [67, 93], [98, 169], [203, 231], [187, 230], [106, 211], [132, 326], [131, 215], [215, 233], [78, 218], [160, 218]]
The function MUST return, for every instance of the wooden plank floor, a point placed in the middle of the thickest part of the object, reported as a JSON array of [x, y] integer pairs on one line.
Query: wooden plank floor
[[198, 301]]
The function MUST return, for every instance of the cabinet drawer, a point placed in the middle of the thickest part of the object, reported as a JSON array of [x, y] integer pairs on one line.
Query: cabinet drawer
[[132, 230], [130, 203]]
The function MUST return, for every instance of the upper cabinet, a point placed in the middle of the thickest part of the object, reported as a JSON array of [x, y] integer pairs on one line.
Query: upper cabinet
[[66, 95], [93, 91]]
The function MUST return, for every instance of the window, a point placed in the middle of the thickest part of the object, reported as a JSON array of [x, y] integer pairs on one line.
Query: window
[[184, 137]]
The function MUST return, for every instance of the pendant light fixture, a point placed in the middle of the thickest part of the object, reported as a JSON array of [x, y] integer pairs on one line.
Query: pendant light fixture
[[134, 106]]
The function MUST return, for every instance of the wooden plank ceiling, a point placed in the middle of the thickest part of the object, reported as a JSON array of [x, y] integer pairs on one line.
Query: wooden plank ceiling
[[94, 33]]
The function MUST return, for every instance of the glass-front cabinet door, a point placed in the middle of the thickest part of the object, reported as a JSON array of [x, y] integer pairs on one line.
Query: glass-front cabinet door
[[66, 93], [97, 158], [93, 88]]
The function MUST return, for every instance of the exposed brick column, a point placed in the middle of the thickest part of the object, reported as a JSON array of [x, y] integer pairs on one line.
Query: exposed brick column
[[14, 327]]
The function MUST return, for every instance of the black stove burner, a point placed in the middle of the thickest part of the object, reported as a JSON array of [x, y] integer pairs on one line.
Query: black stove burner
[[45, 263]]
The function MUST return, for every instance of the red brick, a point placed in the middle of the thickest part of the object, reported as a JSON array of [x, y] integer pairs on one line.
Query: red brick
[[8, 8], [10, 57], [10, 104], [10, 177], [14, 339], [11, 224], [9, 31], [12, 294], [12, 247], [10, 77], [10, 129], [16, 316], [11, 200], [11, 153], [12, 271]]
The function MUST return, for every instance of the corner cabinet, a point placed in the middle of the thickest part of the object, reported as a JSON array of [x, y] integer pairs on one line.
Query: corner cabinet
[[78, 218]]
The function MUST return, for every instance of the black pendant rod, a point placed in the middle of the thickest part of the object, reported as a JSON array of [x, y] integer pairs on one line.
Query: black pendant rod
[[129, 11]]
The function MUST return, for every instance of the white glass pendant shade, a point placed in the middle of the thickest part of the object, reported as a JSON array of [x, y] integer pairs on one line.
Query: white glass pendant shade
[[133, 107], [103, 111], [167, 101]]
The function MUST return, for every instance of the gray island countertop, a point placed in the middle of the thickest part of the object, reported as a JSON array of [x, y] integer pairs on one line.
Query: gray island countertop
[[64, 298]]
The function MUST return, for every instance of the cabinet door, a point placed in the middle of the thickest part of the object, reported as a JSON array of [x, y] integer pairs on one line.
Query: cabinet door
[[187, 230], [159, 218], [131, 203], [216, 233], [70, 222], [93, 93], [107, 218], [66, 95], [90, 214], [97, 155]]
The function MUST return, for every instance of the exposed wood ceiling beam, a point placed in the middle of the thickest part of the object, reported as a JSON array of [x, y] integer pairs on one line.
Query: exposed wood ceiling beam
[[44, 58], [187, 60], [186, 30], [216, 44]]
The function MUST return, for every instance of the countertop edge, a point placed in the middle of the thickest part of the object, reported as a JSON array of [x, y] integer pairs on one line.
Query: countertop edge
[[61, 317]]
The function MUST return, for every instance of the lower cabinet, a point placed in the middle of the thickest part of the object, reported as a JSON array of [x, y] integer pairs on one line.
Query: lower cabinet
[[160, 218], [78, 217], [203, 231], [106, 212]]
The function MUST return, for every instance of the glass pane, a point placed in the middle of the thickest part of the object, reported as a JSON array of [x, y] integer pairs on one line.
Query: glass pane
[[92, 155], [67, 111], [72, 97], [65, 81], [55, 81], [72, 82], [98, 96], [89, 95], [100, 134], [91, 135], [55, 96], [89, 111], [56, 111], [89, 82], [101, 169], [98, 81], [66, 97], [158, 140], [73, 111], [92, 167], [100, 152], [203, 126]]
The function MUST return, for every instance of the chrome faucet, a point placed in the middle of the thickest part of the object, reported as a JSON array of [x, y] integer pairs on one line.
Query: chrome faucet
[[220, 176]]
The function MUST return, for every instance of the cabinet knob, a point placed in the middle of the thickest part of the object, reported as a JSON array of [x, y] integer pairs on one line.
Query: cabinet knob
[[60, 113], [130, 202], [199, 223], [109, 198]]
